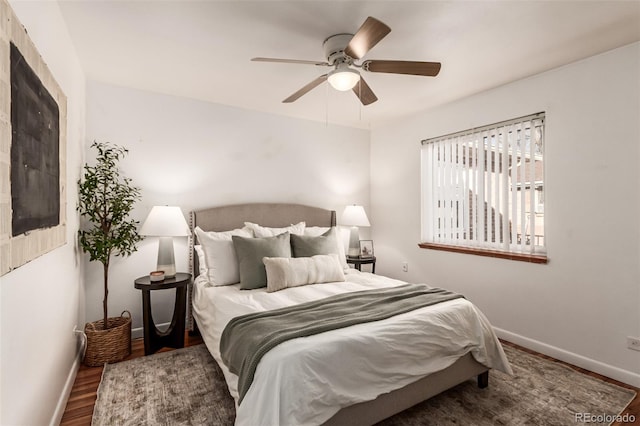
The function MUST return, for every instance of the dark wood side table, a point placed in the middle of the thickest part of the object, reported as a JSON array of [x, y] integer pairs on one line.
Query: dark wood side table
[[173, 337], [357, 262]]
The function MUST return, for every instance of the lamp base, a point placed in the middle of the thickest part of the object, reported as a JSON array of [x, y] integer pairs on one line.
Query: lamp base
[[166, 257], [354, 242]]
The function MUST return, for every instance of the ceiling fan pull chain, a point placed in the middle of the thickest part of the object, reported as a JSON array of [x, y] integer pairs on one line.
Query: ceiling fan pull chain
[[326, 105], [360, 97]]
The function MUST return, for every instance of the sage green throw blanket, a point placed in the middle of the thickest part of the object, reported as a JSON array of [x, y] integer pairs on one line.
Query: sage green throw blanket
[[247, 338]]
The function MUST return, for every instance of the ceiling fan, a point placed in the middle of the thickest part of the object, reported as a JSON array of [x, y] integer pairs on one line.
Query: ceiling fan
[[342, 50]]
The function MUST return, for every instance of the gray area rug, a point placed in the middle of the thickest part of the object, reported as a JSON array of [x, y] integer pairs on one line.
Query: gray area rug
[[186, 387]]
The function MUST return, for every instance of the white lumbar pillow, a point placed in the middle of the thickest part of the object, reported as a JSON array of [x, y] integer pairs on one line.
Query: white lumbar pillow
[[285, 272]]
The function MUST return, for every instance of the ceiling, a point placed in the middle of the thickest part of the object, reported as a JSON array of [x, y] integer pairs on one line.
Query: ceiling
[[202, 49]]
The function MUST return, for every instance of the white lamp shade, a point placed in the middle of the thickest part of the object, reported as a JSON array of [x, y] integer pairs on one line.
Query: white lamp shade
[[343, 78], [354, 216], [165, 221]]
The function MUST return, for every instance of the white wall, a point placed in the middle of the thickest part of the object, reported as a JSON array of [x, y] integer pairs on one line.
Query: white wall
[[581, 306], [43, 300], [196, 154]]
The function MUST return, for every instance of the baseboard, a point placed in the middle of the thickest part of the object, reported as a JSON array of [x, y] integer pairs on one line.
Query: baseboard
[[138, 333], [66, 391], [73, 372], [625, 376]]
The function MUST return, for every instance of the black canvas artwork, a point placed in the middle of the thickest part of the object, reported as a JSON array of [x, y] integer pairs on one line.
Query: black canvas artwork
[[35, 145]]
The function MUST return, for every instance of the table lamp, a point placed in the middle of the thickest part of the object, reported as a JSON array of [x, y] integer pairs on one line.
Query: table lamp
[[354, 216], [165, 222]]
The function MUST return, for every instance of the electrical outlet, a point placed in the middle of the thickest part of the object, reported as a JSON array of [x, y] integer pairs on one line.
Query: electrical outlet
[[405, 266], [633, 343]]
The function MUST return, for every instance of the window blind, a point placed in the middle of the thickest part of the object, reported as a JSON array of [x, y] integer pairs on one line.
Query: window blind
[[484, 187]]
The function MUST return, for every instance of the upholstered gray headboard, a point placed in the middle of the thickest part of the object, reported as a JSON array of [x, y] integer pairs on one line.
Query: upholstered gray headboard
[[275, 215]]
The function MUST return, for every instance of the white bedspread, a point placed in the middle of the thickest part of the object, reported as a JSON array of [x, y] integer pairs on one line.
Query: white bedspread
[[305, 381]]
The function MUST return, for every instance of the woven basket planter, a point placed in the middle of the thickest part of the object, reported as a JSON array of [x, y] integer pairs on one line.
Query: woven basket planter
[[110, 345]]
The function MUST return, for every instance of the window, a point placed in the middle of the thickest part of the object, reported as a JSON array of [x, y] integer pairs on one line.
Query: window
[[483, 190]]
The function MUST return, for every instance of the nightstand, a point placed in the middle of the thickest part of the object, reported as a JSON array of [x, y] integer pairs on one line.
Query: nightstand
[[357, 262], [173, 337]]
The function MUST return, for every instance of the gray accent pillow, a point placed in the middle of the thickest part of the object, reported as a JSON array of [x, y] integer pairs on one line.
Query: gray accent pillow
[[250, 252], [307, 246]]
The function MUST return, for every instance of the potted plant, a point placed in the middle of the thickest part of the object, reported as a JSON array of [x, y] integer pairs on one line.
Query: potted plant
[[105, 201]]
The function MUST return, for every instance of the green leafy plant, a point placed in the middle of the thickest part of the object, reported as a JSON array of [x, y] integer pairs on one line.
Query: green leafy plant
[[105, 200]]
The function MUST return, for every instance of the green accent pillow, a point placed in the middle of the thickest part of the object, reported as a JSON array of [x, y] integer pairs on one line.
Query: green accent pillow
[[307, 246], [250, 252]]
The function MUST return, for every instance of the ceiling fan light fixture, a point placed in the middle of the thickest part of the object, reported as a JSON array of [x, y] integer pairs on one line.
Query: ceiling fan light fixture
[[343, 78]]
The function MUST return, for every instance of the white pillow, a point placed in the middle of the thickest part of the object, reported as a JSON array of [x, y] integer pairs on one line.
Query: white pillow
[[201, 260], [285, 272], [316, 231], [263, 231], [220, 256]]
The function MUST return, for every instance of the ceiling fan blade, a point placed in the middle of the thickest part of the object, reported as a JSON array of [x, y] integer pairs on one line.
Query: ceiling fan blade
[[367, 36], [429, 69], [364, 92], [290, 61], [318, 81]]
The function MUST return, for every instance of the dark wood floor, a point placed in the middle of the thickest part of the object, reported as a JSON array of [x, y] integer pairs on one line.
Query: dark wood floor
[[83, 395]]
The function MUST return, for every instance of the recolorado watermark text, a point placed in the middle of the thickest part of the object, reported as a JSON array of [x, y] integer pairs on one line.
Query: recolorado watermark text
[[604, 418]]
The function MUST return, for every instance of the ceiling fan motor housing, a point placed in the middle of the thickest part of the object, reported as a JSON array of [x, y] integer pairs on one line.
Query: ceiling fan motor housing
[[334, 48]]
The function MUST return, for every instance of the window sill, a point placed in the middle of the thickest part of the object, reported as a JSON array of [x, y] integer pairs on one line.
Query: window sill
[[520, 257]]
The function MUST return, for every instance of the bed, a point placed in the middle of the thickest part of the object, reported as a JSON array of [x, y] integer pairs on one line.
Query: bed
[[345, 376]]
